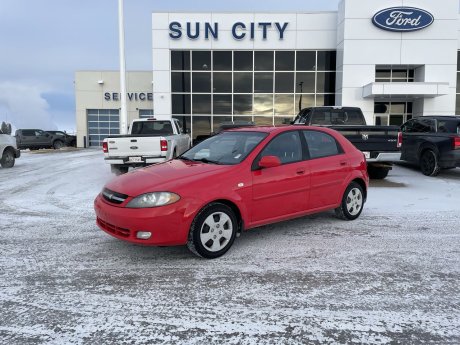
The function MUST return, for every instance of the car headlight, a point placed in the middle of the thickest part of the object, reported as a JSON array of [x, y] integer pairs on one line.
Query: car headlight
[[154, 199]]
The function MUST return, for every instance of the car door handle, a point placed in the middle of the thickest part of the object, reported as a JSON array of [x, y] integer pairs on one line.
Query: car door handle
[[343, 163], [300, 171]]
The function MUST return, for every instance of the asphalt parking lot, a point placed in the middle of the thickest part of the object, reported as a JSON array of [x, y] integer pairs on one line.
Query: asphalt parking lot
[[392, 276]]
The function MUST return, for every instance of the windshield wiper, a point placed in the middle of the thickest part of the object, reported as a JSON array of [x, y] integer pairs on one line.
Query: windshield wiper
[[205, 160], [185, 158]]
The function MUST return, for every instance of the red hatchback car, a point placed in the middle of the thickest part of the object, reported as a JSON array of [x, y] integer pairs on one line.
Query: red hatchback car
[[237, 180]]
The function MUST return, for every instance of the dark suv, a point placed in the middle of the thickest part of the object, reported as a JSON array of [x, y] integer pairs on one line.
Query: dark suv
[[35, 139], [432, 142], [69, 140]]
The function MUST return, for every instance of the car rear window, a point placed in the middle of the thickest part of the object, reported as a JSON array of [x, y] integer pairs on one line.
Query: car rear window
[[337, 117], [152, 128], [449, 126]]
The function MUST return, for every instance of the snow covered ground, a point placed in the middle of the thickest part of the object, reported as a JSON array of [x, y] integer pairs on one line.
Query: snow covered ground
[[392, 276]]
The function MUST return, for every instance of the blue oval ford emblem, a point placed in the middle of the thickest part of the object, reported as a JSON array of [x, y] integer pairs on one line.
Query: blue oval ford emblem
[[402, 19]]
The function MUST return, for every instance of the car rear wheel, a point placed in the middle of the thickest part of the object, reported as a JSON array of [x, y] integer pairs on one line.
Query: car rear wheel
[[377, 173], [429, 163], [352, 202], [213, 231], [118, 170], [7, 160], [58, 144]]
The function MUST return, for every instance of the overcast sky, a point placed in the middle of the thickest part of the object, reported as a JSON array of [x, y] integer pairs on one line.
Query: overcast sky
[[44, 42]]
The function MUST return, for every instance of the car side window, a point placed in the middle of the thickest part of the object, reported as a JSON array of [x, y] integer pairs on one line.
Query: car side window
[[408, 127], [423, 126], [179, 128], [321, 144], [28, 133], [286, 146], [39, 133]]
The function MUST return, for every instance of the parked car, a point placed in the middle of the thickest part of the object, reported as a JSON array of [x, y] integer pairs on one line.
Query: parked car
[[378, 143], [234, 181], [432, 142], [149, 141], [35, 139], [8, 149], [69, 140]]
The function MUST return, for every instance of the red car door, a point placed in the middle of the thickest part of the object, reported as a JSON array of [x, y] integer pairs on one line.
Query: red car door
[[281, 190], [328, 167]]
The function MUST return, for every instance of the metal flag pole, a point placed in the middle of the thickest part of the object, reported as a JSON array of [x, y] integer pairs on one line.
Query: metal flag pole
[[121, 36]]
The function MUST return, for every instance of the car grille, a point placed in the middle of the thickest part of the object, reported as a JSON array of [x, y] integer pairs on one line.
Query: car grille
[[113, 197], [113, 229]]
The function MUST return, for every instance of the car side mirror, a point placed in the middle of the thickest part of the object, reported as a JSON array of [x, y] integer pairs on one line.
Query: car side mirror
[[269, 162]]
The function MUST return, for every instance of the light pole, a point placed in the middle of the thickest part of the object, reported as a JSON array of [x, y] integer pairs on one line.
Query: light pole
[[121, 37]]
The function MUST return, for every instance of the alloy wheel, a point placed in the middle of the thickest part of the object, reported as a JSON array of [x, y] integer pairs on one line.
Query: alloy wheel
[[354, 201]]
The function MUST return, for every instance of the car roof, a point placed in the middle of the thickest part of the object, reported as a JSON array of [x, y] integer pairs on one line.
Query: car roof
[[450, 117], [333, 107], [277, 129]]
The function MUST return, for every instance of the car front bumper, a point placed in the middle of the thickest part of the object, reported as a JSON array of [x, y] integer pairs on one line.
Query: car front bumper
[[167, 224]]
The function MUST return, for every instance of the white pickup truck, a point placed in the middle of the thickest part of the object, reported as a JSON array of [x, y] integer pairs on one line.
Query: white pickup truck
[[149, 141], [8, 149]]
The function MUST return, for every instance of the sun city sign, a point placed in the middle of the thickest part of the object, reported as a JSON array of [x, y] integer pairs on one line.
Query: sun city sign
[[239, 30], [402, 19]]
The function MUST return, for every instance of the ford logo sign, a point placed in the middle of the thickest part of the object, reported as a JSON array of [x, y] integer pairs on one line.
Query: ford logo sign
[[402, 19]]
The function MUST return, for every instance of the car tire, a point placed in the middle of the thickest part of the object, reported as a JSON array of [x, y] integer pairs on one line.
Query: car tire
[[118, 170], [7, 160], [352, 202], [213, 231], [58, 144], [429, 163], [377, 173]]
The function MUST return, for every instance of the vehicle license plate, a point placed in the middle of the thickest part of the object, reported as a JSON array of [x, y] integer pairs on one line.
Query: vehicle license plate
[[367, 154], [135, 159]]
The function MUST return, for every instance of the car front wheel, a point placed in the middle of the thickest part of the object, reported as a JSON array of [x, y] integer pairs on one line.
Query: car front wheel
[[429, 163], [7, 160], [352, 202], [58, 144], [213, 231]]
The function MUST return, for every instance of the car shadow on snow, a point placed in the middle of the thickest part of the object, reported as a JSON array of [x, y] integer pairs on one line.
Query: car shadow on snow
[[450, 174], [324, 225]]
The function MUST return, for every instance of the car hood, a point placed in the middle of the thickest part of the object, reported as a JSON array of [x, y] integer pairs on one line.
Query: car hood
[[166, 176]]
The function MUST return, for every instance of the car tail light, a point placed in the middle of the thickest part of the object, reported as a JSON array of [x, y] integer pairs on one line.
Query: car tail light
[[456, 142], [164, 145], [399, 139], [105, 147]]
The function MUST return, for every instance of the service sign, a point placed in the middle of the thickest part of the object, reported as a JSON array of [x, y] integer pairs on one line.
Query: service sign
[[402, 19]]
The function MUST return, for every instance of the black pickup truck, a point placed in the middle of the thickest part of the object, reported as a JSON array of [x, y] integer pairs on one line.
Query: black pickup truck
[[432, 142], [35, 139], [378, 143]]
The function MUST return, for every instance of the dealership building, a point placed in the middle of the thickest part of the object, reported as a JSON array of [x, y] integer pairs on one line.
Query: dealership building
[[394, 59]]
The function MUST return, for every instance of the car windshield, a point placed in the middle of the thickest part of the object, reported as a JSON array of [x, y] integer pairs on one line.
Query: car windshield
[[226, 148]]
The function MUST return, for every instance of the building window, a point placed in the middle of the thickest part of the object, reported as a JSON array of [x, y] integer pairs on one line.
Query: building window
[[102, 123], [392, 113], [394, 75], [145, 113], [264, 86]]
